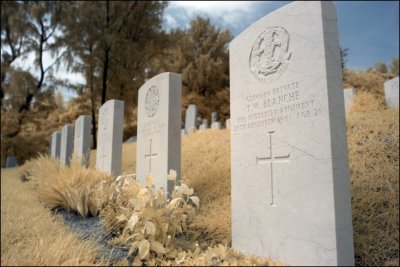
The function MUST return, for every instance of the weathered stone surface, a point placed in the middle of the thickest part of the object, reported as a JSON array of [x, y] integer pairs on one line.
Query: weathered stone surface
[[131, 139], [216, 125], [82, 139], [392, 93], [290, 176], [228, 123], [11, 162], [349, 94], [213, 117], [67, 144], [55, 144], [191, 117], [109, 136], [202, 127], [159, 129]]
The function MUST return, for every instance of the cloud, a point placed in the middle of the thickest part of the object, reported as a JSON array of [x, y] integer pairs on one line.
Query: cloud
[[234, 15]]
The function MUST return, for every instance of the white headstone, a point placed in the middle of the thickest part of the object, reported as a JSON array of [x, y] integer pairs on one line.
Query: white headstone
[[213, 117], [290, 176], [82, 139], [216, 125], [205, 122], [159, 132], [191, 117], [392, 93], [228, 123], [183, 132], [131, 139], [11, 162], [349, 94], [109, 136], [55, 144], [202, 127], [67, 144]]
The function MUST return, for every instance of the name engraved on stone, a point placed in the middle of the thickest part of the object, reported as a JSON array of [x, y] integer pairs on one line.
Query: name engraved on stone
[[152, 101], [277, 105], [149, 156], [270, 54], [271, 160]]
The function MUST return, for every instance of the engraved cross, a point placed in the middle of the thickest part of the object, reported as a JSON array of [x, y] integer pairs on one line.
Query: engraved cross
[[271, 160], [150, 155]]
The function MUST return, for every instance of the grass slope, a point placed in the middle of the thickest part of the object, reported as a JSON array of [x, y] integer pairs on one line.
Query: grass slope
[[31, 235]]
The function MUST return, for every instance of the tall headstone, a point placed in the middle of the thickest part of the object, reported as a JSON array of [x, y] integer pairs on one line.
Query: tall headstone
[[213, 117], [228, 123], [11, 161], [159, 133], [67, 144], [349, 94], [191, 117], [290, 175], [392, 93], [55, 144], [82, 139], [109, 136]]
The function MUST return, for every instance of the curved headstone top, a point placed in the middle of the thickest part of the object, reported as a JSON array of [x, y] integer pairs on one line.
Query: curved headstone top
[[290, 175], [159, 129]]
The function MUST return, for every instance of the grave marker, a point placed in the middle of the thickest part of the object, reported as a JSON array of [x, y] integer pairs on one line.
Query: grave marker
[[11, 162], [191, 117], [109, 136], [213, 117], [66, 148], [349, 94], [55, 144], [159, 131], [82, 139], [290, 176], [216, 125], [392, 93]]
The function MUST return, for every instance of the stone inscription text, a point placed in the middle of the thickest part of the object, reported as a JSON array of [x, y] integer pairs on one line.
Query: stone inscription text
[[276, 106]]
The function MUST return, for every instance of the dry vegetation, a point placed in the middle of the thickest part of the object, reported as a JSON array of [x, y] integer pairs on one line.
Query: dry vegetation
[[31, 234], [180, 233]]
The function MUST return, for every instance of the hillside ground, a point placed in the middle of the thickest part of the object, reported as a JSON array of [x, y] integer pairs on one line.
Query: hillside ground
[[31, 235]]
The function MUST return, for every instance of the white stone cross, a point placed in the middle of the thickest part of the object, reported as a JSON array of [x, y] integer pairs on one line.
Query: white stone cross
[[150, 155], [271, 160]]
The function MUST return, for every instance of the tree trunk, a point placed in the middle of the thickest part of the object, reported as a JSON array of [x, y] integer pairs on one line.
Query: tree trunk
[[105, 71]]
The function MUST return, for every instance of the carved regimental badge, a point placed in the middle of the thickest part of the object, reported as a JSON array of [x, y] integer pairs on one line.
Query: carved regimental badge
[[269, 56], [152, 101]]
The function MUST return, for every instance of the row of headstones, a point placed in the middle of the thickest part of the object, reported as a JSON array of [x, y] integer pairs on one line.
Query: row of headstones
[[194, 122], [290, 186], [391, 89]]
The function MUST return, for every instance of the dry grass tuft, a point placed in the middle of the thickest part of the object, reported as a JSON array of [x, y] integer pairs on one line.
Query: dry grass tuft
[[367, 102], [31, 235], [73, 188]]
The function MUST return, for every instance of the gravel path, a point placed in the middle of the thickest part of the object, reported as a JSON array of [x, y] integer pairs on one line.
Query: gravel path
[[90, 228]]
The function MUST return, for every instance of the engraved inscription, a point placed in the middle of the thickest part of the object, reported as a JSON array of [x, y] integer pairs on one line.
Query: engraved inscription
[[276, 105], [269, 56], [149, 156], [152, 101], [271, 159]]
